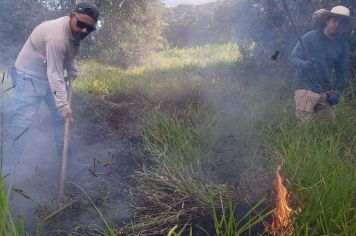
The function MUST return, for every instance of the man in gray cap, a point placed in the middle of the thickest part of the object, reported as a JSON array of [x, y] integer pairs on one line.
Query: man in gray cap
[[39, 71], [323, 55]]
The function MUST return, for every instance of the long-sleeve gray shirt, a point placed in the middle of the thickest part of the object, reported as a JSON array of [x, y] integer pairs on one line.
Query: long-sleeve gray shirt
[[332, 55], [49, 50]]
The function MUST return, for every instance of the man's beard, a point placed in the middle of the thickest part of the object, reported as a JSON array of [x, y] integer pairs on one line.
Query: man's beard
[[80, 35]]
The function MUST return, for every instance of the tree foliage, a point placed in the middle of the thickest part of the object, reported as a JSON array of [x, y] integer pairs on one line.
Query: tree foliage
[[18, 18], [262, 27], [127, 30], [189, 25]]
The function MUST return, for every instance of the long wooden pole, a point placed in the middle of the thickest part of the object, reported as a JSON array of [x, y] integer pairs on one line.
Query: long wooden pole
[[65, 146], [302, 45], [2, 123], [285, 6]]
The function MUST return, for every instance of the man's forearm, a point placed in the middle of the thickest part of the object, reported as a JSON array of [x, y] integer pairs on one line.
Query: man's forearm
[[296, 62]]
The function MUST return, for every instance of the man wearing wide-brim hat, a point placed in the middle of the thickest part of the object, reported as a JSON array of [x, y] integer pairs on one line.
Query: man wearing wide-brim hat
[[322, 64]]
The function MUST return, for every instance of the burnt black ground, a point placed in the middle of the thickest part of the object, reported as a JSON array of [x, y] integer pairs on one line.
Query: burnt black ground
[[40, 170], [38, 174]]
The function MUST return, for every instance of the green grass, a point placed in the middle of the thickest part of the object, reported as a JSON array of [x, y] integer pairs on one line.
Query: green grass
[[8, 226], [173, 231], [170, 74], [319, 160], [176, 180], [3, 209], [172, 190], [202, 56], [176, 73], [175, 138], [109, 231], [227, 224], [165, 196]]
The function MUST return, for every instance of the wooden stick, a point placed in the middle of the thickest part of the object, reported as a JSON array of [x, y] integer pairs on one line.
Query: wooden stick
[[56, 212], [65, 146], [320, 71], [2, 122]]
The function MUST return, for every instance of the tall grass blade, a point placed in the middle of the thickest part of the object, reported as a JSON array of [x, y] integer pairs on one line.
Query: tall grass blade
[[108, 227]]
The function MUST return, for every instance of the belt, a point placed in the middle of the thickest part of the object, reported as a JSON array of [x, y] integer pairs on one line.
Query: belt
[[26, 75]]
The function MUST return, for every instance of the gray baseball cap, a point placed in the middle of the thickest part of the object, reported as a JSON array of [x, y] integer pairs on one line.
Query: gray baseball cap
[[87, 8]]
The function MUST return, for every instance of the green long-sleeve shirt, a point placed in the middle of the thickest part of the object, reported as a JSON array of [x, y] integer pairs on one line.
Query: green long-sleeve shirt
[[332, 55]]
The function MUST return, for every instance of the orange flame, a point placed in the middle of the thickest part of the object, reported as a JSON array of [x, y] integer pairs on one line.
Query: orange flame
[[281, 224]]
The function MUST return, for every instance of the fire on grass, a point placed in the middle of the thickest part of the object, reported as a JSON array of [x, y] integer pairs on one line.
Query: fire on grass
[[281, 218]]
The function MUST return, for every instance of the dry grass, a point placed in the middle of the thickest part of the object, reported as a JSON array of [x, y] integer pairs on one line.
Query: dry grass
[[166, 197]]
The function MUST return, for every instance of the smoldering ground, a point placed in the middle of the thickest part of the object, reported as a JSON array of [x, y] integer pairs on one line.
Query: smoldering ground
[[237, 94], [33, 178]]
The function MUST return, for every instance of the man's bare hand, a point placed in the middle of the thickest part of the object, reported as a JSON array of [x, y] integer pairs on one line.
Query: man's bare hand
[[66, 113], [72, 73]]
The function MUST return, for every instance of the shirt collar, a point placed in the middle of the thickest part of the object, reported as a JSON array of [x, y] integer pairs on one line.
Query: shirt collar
[[72, 39], [337, 37]]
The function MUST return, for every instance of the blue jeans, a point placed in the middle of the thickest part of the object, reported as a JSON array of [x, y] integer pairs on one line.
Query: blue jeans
[[28, 96]]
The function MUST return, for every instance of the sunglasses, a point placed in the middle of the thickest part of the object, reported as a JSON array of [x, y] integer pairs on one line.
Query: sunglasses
[[82, 25]]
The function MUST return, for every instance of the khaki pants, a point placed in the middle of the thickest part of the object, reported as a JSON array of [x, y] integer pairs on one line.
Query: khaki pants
[[309, 104]]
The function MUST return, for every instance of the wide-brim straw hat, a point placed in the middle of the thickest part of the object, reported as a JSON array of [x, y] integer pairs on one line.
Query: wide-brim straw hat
[[322, 15]]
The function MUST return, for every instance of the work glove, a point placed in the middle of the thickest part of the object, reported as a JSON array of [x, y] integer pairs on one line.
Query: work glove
[[310, 64], [333, 97]]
